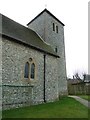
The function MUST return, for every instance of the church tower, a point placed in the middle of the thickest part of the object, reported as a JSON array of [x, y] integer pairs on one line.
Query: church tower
[[51, 31]]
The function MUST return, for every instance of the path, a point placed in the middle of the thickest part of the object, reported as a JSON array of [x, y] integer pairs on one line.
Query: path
[[83, 101]]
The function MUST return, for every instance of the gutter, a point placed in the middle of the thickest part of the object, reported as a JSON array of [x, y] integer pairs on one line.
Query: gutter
[[44, 92]]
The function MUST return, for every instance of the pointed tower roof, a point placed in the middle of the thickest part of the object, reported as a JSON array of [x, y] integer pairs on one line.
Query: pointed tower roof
[[45, 10]]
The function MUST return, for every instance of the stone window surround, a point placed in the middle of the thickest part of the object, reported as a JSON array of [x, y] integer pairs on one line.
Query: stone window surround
[[30, 62]]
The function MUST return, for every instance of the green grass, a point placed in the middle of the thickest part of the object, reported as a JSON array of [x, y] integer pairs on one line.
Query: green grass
[[86, 97], [65, 108]]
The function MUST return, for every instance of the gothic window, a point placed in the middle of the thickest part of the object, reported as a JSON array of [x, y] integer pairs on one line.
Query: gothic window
[[26, 71], [32, 72], [53, 27]]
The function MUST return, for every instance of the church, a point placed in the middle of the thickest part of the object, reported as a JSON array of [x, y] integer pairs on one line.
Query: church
[[33, 65]]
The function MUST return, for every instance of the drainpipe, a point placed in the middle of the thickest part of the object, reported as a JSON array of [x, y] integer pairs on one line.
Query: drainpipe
[[44, 77]]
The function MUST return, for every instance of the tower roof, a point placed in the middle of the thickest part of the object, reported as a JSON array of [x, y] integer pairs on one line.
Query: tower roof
[[45, 10]]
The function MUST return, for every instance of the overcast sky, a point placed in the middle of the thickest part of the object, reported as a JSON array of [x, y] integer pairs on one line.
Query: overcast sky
[[73, 13]]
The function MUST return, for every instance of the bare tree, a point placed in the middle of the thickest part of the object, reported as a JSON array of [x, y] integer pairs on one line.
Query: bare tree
[[77, 76]]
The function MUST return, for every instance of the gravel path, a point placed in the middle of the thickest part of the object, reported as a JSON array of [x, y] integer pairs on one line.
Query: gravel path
[[83, 101]]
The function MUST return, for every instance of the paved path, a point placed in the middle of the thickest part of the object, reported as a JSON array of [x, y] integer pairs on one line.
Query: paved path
[[83, 101]]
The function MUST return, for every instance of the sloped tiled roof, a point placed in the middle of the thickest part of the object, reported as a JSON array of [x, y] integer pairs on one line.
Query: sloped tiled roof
[[24, 35]]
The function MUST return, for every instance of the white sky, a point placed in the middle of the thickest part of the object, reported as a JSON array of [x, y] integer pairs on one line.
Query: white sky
[[73, 13]]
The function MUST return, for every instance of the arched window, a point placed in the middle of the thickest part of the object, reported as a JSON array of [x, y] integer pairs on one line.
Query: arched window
[[32, 73], [26, 71]]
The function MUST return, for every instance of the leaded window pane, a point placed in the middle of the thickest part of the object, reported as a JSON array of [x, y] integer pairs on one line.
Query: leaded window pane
[[32, 70], [26, 71]]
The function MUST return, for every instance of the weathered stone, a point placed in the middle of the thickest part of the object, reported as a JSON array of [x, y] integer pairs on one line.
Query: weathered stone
[[43, 25], [18, 91]]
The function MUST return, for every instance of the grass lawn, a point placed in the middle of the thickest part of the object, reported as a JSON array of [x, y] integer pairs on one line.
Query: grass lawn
[[65, 108], [86, 97]]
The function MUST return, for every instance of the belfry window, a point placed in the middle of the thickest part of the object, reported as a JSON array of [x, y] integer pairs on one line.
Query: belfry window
[[53, 27], [56, 28], [32, 72], [26, 71]]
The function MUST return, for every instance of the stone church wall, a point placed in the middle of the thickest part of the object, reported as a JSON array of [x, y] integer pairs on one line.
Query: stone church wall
[[18, 91], [56, 40], [0, 73], [38, 25], [15, 88], [51, 79]]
